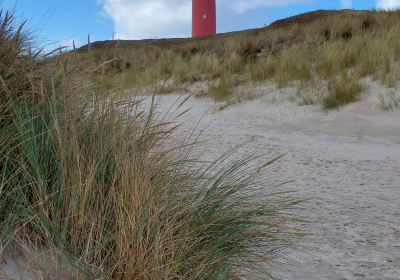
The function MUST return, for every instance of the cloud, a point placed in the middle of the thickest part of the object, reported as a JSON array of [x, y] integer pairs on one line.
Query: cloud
[[346, 4], [388, 4], [242, 6], [137, 19], [134, 19]]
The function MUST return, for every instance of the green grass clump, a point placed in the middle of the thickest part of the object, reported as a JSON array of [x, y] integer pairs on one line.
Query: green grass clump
[[342, 91], [101, 180]]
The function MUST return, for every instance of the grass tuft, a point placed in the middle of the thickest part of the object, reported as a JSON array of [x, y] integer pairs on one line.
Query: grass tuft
[[343, 91]]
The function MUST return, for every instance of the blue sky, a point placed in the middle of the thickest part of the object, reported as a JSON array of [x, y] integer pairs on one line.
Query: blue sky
[[61, 21]]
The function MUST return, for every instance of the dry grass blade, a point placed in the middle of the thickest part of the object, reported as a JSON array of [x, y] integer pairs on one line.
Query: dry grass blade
[[268, 163], [105, 63]]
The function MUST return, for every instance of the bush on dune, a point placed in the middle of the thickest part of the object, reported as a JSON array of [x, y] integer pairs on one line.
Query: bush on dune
[[99, 179]]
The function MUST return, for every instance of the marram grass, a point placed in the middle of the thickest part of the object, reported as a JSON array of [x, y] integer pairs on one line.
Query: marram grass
[[103, 182]]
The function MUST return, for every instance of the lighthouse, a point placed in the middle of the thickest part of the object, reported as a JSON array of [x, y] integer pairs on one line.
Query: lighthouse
[[204, 18]]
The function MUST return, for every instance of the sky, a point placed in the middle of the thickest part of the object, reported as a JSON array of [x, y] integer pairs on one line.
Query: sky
[[59, 22]]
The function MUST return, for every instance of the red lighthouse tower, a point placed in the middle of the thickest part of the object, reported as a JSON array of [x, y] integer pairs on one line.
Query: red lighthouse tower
[[204, 18]]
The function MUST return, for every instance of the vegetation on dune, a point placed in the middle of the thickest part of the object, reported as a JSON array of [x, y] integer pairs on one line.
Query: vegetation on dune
[[342, 91], [299, 51], [97, 180]]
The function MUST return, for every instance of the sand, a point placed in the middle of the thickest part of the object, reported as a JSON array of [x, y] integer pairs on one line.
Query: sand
[[346, 161]]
